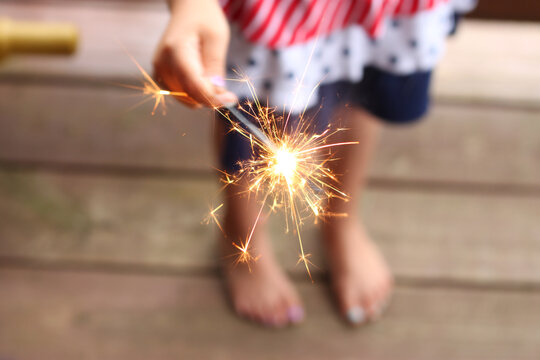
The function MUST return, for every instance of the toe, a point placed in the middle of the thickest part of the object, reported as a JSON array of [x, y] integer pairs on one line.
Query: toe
[[371, 304], [273, 321], [267, 315], [280, 311], [295, 314], [380, 308], [278, 317], [356, 315], [242, 311], [252, 313], [355, 311], [293, 308], [351, 307], [263, 318], [384, 294], [379, 302]]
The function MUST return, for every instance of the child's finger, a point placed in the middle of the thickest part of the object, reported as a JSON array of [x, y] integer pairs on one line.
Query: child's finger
[[223, 96], [178, 66], [188, 69], [182, 69], [167, 81], [213, 53]]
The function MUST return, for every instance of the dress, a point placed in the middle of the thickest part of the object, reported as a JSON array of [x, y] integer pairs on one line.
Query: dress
[[377, 54]]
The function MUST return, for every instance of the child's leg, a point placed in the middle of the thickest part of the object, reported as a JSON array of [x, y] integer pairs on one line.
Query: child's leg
[[361, 279], [261, 292]]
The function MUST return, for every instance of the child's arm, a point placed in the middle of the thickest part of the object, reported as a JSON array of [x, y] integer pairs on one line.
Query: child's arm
[[191, 54]]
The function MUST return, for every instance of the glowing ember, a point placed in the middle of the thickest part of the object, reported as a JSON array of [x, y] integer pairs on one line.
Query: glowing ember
[[284, 164], [152, 90]]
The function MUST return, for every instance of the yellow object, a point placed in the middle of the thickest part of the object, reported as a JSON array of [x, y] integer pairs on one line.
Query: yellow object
[[26, 37]]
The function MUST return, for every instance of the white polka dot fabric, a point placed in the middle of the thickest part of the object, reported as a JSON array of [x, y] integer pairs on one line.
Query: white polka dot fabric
[[288, 77]]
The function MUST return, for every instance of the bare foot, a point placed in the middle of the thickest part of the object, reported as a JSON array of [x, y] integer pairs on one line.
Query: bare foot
[[361, 279], [259, 290]]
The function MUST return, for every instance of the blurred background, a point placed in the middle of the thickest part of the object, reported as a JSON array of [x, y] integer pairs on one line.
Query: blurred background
[[103, 254]]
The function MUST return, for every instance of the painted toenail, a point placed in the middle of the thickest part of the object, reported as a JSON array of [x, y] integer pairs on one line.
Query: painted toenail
[[356, 315], [295, 314]]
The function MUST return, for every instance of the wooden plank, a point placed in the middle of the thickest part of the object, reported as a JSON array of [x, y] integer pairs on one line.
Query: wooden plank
[[467, 73], [100, 127], [88, 126], [105, 31], [478, 69], [525, 10], [63, 315], [457, 143], [156, 223]]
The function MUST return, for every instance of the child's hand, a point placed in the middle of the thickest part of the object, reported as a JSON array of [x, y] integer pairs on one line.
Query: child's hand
[[191, 54]]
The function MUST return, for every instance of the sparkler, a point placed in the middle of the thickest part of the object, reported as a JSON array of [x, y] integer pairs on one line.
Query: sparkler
[[289, 168]]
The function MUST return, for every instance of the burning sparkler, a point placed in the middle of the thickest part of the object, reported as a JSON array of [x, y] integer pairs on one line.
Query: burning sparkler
[[289, 169]]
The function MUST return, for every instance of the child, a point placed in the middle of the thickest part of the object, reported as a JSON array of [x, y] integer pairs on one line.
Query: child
[[373, 60]]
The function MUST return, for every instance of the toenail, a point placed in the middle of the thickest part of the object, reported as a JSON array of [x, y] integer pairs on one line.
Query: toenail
[[295, 314], [356, 315]]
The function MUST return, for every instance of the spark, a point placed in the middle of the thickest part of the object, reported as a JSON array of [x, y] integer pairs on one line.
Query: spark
[[304, 259], [292, 174], [152, 91], [244, 256], [213, 217]]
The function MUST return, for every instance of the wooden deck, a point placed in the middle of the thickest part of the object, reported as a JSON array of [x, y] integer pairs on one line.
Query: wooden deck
[[102, 250]]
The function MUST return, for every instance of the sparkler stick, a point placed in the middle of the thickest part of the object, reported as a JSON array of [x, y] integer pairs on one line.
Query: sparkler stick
[[252, 128]]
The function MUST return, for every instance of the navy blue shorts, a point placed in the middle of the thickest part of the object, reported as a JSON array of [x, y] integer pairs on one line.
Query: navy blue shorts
[[394, 99]]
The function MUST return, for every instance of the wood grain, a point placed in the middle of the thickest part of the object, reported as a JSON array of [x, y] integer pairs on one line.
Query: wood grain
[[100, 126], [477, 68], [103, 253], [156, 222], [66, 315], [96, 127]]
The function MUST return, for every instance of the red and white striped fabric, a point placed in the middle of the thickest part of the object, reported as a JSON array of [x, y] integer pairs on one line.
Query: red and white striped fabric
[[280, 23]]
